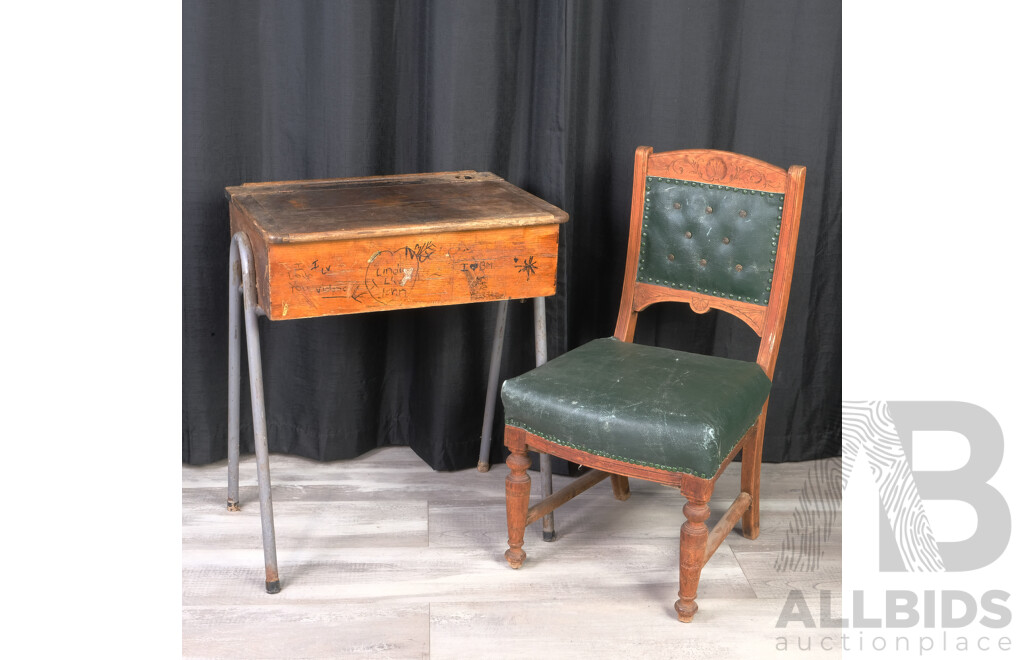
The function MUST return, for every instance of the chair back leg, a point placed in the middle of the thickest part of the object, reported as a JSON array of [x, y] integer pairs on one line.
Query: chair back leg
[[620, 487], [750, 478]]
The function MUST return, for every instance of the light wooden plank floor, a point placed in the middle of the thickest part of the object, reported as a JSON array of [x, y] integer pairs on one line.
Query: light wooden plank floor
[[382, 557]]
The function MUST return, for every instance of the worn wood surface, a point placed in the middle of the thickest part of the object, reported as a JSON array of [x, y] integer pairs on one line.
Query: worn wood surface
[[392, 272], [370, 207], [688, 484], [750, 476], [720, 168], [725, 524], [778, 303], [345, 246], [383, 557], [563, 495], [693, 541], [645, 295], [517, 502], [625, 323], [620, 487]]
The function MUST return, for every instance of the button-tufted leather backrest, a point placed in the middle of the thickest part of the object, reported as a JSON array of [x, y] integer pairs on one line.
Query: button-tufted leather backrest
[[715, 230], [711, 239]]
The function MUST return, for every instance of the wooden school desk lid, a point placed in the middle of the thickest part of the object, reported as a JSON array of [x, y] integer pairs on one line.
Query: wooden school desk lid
[[344, 209]]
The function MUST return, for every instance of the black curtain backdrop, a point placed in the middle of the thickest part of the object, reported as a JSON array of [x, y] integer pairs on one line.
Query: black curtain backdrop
[[554, 96]]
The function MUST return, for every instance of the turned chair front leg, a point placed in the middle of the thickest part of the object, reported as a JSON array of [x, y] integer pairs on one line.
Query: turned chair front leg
[[517, 503], [693, 540]]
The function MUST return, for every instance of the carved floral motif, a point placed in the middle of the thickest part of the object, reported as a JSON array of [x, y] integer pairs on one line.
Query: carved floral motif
[[715, 169], [708, 166]]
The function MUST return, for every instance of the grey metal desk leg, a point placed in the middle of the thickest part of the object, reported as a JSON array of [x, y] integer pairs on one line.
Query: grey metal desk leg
[[234, 373], [259, 412], [484, 462], [540, 339]]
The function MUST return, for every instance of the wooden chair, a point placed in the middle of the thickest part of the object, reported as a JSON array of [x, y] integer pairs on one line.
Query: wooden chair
[[712, 229]]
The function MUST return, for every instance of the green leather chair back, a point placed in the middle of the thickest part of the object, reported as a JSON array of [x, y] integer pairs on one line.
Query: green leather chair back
[[712, 239]]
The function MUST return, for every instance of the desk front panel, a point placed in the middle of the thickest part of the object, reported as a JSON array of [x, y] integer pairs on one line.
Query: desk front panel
[[399, 272]]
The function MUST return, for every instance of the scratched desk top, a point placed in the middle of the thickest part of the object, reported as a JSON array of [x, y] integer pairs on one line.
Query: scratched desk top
[[341, 209]]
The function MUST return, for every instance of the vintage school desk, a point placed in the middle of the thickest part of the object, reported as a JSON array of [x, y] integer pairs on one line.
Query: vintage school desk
[[301, 249]]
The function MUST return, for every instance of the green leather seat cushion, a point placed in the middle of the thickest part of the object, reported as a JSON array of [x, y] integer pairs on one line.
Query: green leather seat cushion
[[645, 405]]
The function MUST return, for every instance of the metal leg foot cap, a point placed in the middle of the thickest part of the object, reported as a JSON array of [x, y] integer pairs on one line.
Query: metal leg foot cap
[[483, 466], [233, 506], [549, 536], [273, 587]]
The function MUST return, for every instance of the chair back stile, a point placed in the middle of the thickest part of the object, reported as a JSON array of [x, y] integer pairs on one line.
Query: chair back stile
[[672, 191]]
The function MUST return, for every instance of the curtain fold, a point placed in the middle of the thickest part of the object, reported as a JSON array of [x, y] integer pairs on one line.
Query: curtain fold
[[552, 96]]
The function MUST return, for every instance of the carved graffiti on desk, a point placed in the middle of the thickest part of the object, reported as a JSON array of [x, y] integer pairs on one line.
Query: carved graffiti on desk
[[475, 273], [298, 279], [420, 252], [528, 266], [308, 278], [332, 288], [391, 274], [353, 291], [323, 269]]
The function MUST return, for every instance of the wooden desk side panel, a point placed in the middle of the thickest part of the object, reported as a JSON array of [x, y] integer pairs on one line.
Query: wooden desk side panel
[[399, 272], [241, 222]]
